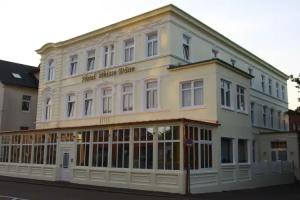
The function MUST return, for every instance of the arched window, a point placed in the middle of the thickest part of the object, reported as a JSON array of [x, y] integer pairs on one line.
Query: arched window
[[50, 70], [48, 108]]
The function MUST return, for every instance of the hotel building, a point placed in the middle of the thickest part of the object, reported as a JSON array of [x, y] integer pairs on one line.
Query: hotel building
[[137, 103]]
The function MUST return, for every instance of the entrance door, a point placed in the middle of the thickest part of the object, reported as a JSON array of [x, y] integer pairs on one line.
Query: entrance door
[[65, 164]]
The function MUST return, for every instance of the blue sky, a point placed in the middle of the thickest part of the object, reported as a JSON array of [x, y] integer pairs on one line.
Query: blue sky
[[268, 28]]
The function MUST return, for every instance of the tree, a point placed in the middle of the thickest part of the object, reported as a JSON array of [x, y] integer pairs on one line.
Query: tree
[[296, 80]]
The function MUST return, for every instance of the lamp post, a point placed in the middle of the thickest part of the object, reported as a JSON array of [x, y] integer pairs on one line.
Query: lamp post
[[189, 143]]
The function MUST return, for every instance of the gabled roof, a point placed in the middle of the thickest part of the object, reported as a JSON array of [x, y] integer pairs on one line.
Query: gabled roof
[[17, 74]]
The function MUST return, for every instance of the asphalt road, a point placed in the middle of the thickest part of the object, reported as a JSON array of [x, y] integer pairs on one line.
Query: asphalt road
[[11, 190]]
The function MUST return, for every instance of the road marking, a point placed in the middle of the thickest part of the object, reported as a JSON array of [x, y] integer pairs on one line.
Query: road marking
[[12, 198]]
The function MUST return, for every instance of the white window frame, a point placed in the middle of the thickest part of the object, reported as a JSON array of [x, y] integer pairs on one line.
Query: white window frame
[[100, 144], [227, 87], [68, 101], [50, 70], [85, 98], [73, 65], [241, 99], [127, 94], [121, 143], [192, 90], [109, 97], [47, 114], [151, 91], [91, 54], [152, 42], [39, 149], [51, 150], [277, 90], [109, 55], [131, 51]]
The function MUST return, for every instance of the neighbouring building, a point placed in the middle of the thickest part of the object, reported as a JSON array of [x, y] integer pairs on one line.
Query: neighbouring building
[[117, 106], [294, 119], [18, 96]]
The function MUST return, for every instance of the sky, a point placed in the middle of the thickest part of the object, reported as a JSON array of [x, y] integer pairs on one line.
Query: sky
[[268, 28]]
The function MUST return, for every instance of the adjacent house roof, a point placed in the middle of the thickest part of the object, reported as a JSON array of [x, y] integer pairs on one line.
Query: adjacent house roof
[[17, 74]]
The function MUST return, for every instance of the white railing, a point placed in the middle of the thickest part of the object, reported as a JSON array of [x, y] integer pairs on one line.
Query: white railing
[[278, 167]]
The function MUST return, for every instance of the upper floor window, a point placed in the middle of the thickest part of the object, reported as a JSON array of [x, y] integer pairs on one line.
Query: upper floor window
[[225, 93], [129, 50], [282, 92], [109, 54], [265, 116], [127, 97], [186, 47], [272, 118], [71, 105], [26, 103], [263, 89], [277, 90], [91, 60], [88, 102], [152, 44], [50, 70], [192, 93], [279, 119], [251, 73], [73, 65], [270, 87], [151, 94], [252, 113], [107, 100], [48, 109], [240, 91]]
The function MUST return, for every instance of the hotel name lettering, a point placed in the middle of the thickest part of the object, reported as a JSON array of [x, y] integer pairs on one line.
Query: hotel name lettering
[[107, 73]]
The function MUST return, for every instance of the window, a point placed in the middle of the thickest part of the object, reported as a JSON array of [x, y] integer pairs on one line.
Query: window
[[15, 148], [282, 92], [264, 116], [225, 93], [51, 149], [270, 87], [252, 113], [26, 103], [107, 100], [243, 151], [127, 97], [129, 50], [16, 75], [201, 150], [109, 52], [272, 118], [73, 65], [70, 106], [279, 119], [4, 148], [151, 94], [88, 102], [279, 151], [192, 93], [241, 105], [263, 83], [91, 60], [83, 146], [66, 137], [26, 148], [100, 148], [186, 47], [226, 150], [48, 109], [253, 151], [251, 73], [152, 44], [143, 148], [168, 148], [120, 148], [277, 90], [38, 148], [50, 70]]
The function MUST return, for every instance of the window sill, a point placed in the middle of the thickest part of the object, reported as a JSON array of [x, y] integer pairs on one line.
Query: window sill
[[227, 108], [228, 164], [244, 164], [242, 112], [49, 82], [192, 107], [203, 171]]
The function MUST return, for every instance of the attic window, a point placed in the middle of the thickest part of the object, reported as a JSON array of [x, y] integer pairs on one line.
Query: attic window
[[15, 75]]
